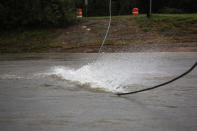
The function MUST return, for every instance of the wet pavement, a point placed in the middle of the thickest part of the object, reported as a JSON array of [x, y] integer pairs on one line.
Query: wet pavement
[[75, 92]]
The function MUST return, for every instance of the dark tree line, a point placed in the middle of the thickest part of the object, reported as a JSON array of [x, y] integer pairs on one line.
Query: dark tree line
[[120, 7], [36, 13], [54, 13]]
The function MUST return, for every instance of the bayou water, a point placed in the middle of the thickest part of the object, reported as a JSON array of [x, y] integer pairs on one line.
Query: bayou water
[[76, 92]]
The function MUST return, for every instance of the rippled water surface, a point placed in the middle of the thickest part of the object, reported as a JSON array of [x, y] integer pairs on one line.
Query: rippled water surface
[[76, 92]]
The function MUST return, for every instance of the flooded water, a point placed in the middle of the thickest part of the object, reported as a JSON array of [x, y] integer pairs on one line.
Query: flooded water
[[75, 92]]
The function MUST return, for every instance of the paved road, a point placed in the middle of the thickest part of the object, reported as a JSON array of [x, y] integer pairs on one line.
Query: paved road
[[73, 92]]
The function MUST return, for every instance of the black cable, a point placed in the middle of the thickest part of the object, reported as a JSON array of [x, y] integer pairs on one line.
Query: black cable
[[154, 87]]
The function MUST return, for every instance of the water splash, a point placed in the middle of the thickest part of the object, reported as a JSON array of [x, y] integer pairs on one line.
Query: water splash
[[107, 73]]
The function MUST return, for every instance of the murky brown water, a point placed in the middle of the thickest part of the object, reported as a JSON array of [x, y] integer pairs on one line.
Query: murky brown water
[[35, 96]]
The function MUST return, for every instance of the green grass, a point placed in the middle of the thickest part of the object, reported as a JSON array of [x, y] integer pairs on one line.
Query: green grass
[[169, 23], [107, 17], [26, 41], [156, 16]]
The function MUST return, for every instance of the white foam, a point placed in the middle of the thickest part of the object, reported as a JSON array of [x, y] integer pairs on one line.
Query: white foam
[[106, 73]]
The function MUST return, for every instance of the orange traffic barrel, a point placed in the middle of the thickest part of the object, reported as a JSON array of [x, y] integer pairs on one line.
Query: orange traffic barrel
[[79, 13], [135, 11]]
